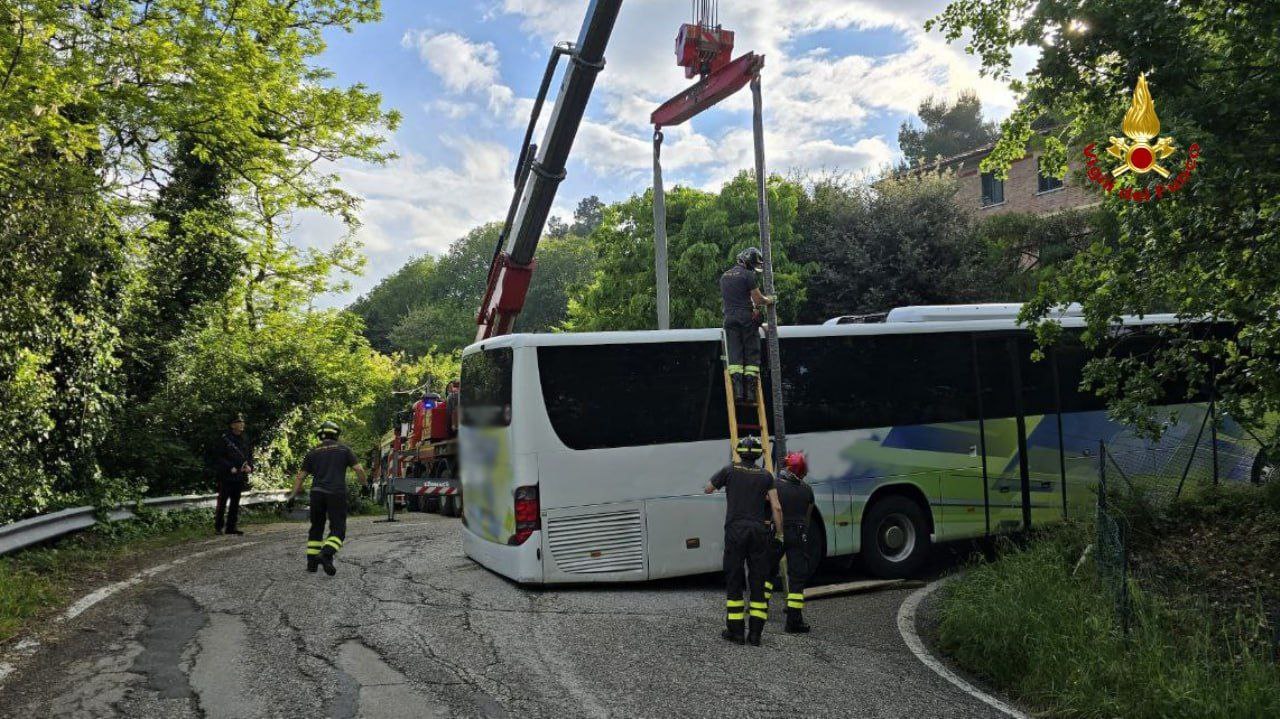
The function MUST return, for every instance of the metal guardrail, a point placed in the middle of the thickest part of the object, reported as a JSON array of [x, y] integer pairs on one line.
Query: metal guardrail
[[35, 530]]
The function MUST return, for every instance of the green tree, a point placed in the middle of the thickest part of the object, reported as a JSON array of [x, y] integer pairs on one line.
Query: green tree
[[443, 317], [151, 158], [705, 232], [288, 373], [905, 241], [392, 298], [948, 129], [1024, 249], [1207, 251]]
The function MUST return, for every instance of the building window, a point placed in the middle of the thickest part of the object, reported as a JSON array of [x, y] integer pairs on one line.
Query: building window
[[992, 190], [1045, 182]]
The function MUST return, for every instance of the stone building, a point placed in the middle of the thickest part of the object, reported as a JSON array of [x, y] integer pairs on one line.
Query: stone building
[[1024, 190]]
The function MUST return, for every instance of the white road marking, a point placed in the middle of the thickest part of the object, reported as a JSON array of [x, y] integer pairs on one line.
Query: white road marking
[[907, 628], [28, 647], [93, 598]]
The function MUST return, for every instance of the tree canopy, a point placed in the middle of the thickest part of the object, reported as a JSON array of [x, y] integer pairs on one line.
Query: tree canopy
[[151, 158], [949, 129], [1208, 251]]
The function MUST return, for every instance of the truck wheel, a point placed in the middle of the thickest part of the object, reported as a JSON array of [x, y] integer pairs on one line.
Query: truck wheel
[[432, 504], [413, 503], [450, 506], [895, 537]]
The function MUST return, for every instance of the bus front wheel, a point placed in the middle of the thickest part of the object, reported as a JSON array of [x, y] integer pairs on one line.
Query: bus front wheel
[[895, 537]]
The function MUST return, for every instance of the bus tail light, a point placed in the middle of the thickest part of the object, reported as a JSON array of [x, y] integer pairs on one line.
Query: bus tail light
[[528, 520]]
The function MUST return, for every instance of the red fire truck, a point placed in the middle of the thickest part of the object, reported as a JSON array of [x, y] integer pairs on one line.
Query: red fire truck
[[416, 466]]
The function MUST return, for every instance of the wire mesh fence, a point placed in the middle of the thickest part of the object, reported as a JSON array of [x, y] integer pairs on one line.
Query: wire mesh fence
[[1146, 541]]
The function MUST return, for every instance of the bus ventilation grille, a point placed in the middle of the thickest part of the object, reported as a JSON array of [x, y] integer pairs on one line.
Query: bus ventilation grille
[[597, 543]]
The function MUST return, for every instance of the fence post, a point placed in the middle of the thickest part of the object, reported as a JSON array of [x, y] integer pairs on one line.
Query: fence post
[[1195, 447], [1213, 414]]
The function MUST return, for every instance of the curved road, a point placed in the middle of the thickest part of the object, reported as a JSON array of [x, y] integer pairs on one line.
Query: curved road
[[411, 628]]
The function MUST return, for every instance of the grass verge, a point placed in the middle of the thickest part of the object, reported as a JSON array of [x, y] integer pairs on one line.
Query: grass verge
[[37, 583], [1201, 643]]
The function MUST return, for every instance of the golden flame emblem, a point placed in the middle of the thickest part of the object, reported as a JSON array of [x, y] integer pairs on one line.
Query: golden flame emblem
[[1141, 125]]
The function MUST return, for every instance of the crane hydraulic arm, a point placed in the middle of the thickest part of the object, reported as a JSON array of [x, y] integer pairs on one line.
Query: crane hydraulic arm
[[540, 170]]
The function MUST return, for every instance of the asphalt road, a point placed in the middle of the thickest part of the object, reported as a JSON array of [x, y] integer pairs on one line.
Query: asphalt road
[[412, 628]]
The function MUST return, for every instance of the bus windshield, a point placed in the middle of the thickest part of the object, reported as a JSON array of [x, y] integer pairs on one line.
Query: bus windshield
[[486, 388]]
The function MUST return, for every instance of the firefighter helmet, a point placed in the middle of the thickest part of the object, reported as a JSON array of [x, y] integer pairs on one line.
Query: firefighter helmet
[[749, 448], [752, 259], [797, 464], [329, 430]]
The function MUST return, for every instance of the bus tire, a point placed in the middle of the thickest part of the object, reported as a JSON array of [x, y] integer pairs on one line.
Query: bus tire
[[895, 537]]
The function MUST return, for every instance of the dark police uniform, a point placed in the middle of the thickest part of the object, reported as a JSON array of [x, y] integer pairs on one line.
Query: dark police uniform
[[232, 453], [741, 333], [746, 541], [328, 464], [796, 497]]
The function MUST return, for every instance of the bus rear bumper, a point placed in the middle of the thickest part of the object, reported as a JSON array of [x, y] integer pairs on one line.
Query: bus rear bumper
[[522, 563]]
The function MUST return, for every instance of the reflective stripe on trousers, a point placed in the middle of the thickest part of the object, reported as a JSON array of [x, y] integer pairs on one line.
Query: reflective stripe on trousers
[[734, 609]]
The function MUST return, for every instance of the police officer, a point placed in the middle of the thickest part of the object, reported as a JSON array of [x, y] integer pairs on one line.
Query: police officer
[[796, 498], [327, 464], [232, 464], [752, 500], [740, 297]]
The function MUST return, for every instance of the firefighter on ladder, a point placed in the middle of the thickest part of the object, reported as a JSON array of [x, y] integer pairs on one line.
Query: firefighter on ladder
[[752, 502], [741, 297], [796, 497]]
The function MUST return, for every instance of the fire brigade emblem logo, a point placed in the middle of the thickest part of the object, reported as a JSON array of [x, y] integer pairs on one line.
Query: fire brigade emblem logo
[[1141, 125], [1140, 151]]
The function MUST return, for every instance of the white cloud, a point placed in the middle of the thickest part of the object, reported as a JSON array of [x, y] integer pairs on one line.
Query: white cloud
[[817, 103], [462, 65], [819, 109], [414, 207]]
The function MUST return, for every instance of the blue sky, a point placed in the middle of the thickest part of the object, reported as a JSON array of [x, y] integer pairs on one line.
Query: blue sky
[[840, 77]]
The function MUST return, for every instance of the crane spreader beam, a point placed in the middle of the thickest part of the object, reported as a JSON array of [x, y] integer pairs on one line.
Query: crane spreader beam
[[715, 87]]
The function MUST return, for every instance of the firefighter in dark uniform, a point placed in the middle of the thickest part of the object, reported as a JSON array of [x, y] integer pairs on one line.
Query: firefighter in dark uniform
[[741, 297], [748, 539], [796, 498], [232, 465], [327, 464]]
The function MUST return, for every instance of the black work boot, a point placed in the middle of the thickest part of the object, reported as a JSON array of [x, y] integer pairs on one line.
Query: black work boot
[[795, 622], [749, 388], [739, 393], [313, 562], [326, 561], [734, 632], [753, 634]]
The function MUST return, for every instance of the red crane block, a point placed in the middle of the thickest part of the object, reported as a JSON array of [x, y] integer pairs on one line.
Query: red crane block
[[701, 50], [710, 90]]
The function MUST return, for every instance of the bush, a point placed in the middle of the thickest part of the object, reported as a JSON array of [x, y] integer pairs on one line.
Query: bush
[[1033, 626]]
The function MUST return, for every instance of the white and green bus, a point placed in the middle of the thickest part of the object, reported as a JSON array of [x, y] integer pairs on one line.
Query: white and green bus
[[584, 455]]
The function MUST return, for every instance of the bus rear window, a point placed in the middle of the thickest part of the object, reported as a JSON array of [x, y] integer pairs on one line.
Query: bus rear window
[[486, 388]]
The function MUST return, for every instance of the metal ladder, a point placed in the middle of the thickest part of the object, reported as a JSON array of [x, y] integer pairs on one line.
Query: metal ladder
[[736, 425], [762, 426]]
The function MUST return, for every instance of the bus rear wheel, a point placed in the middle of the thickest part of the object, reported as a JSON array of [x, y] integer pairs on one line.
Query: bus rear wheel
[[895, 537]]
